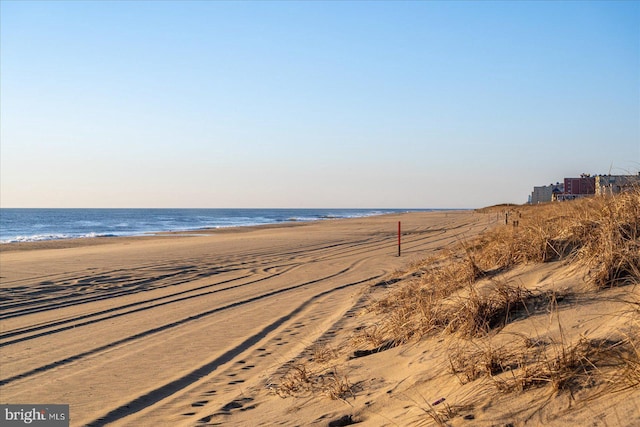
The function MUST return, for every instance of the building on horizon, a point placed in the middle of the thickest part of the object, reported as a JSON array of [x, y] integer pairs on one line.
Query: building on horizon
[[545, 193], [584, 185], [614, 184], [575, 188]]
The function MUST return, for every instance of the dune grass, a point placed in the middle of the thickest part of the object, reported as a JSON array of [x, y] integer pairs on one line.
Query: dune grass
[[463, 293], [600, 233], [301, 381], [466, 294]]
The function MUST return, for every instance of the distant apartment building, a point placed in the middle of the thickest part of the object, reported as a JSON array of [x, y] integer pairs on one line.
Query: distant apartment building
[[545, 193], [584, 185], [575, 188], [613, 184]]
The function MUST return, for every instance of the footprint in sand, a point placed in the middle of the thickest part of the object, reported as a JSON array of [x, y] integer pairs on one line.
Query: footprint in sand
[[237, 404], [263, 354], [199, 403]]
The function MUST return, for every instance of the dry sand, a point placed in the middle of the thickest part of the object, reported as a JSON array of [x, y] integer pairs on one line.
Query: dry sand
[[185, 330]]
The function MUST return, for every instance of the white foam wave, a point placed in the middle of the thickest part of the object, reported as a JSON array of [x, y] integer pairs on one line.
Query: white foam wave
[[44, 237]]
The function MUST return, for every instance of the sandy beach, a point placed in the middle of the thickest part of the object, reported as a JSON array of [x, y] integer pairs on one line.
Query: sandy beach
[[190, 329], [201, 204]]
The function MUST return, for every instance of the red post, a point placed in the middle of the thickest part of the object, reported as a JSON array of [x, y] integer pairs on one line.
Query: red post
[[399, 239]]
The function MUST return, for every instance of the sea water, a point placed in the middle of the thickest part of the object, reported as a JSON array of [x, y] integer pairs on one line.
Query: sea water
[[28, 225]]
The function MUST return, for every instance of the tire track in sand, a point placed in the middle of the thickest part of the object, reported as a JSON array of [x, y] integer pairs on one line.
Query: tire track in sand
[[172, 387], [162, 328]]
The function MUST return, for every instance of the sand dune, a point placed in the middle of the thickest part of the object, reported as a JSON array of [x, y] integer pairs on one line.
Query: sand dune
[[184, 330]]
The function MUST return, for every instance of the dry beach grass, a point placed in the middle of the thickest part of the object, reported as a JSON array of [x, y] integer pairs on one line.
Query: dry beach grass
[[506, 335]]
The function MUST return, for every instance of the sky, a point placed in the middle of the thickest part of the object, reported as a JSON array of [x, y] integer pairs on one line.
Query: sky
[[230, 104]]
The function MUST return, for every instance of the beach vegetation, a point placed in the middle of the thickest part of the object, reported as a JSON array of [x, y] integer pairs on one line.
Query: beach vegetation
[[471, 292], [500, 330]]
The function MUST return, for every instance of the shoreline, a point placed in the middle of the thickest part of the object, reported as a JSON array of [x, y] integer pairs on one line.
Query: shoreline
[[41, 225], [72, 242]]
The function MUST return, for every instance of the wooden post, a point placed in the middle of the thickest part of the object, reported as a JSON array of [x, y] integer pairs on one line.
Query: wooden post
[[399, 237]]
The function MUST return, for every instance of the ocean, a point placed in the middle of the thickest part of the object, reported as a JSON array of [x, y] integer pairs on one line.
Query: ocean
[[29, 225]]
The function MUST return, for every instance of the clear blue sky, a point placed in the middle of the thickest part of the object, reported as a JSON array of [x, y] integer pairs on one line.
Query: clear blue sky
[[312, 104]]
